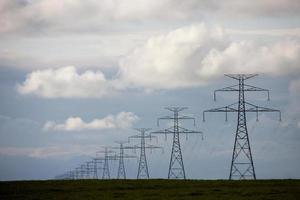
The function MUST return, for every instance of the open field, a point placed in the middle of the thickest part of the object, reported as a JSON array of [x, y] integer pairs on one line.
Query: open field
[[151, 189]]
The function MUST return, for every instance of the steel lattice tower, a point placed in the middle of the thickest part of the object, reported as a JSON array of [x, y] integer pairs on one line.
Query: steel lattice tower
[[242, 166], [176, 166], [77, 173], [143, 171], [107, 157], [82, 171], [106, 174], [90, 168], [121, 170], [143, 167], [96, 162]]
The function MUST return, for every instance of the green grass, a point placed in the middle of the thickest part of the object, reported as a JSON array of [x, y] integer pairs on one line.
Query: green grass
[[151, 189]]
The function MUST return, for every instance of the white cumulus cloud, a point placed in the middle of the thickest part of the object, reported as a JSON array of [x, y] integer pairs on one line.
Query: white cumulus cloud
[[66, 82], [186, 57], [280, 58], [171, 60], [122, 120], [194, 55]]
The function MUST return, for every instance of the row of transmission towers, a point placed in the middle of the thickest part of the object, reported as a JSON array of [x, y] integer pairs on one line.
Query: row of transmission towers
[[103, 158], [242, 165], [90, 169]]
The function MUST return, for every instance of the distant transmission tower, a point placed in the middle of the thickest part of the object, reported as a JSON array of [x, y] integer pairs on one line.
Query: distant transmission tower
[[96, 167], [176, 166], [82, 171], [121, 170], [242, 166], [66, 176], [143, 166], [77, 173], [107, 157], [90, 167]]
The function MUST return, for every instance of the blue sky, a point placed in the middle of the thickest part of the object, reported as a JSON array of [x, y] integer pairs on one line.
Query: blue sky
[[78, 75]]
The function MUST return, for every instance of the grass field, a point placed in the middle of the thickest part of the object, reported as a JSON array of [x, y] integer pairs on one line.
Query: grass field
[[151, 189]]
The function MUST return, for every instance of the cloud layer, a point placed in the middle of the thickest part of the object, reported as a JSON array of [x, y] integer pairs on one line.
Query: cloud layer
[[293, 109], [186, 57], [50, 151], [294, 87], [121, 121], [25, 15]]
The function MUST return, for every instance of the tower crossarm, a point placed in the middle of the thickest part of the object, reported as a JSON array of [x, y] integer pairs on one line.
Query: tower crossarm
[[250, 88], [188, 131], [169, 130], [106, 151], [166, 131], [129, 156], [257, 109], [131, 147], [241, 76], [233, 88], [109, 157], [148, 136], [250, 108], [226, 109], [247, 88], [175, 109], [125, 156], [147, 146], [151, 146], [181, 130], [179, 117]]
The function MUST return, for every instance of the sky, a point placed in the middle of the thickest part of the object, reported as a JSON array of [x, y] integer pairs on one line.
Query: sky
[[76, 76]]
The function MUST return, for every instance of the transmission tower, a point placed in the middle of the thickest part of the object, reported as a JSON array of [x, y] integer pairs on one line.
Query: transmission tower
[[84, 170], [121, 157], [108, 155], [87, 170], [90, 168], [71, 175], [77, 173], [96, 167], [242, 166], [143, 172], [176, 166], [81, 171], [66, 176]]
